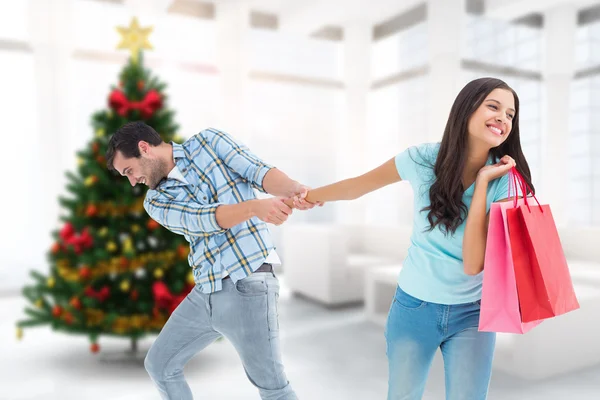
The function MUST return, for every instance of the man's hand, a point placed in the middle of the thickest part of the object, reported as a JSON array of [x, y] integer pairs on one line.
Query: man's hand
[[299, 199], [272, 210]]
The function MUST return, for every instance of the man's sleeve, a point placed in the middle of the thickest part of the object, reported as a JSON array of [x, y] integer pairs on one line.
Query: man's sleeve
[[235, 155], [187, 218]]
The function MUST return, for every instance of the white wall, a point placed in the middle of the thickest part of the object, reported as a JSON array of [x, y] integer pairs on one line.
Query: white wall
[[584, 152], [294, 98], [292, 123], [22, 201], [397, 118], [296, 107]]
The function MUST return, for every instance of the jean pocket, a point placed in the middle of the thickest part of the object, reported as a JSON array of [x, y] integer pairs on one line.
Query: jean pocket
[[251, 286], [407, 301], [272, 312]]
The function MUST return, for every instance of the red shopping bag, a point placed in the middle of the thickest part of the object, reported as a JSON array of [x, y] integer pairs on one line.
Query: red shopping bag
[[544, 283]]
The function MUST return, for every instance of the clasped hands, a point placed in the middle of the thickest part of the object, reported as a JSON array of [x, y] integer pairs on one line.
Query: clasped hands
[[275, 210], [298, 200]]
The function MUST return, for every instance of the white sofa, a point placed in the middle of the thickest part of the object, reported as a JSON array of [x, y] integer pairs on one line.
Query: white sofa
[[563, 344], [380, 287], [318, 264], [327, 263]]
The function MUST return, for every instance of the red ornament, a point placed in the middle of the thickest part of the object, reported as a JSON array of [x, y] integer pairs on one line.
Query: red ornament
[[79, 242], [101, 160], [68, 318], [69, 236], [67, 231], [162, 295], [57, 311], [152, 224], [85, 239], [94, 348], [55, 248], [91, 211], [183, 251], [164, 299], [134, 295], [85, 273], [100, 295], [95, 147], [140, 84], [122, 105], [75, 303]]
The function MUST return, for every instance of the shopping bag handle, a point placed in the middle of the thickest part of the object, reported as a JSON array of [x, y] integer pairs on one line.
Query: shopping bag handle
[[518, 179], [514, 184]]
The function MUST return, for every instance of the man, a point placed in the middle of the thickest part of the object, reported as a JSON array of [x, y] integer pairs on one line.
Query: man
[[203, 189]]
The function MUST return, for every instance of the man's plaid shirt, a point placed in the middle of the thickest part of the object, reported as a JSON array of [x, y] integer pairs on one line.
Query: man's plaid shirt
[[219, 171]]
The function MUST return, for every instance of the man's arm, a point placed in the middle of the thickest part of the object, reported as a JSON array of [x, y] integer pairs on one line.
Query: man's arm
[[184, 218], [226, 150], [272, 210], [193, 219], [277, 183], [232, 214], [261, 176]]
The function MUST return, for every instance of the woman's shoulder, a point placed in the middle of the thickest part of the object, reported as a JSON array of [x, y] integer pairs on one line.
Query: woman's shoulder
[[416, 162], [425, 152]]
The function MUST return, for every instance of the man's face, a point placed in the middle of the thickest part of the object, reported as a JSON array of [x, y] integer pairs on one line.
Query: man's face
[[145, 169]]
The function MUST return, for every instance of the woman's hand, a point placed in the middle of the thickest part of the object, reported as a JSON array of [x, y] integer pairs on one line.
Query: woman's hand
[[300, 202], [495, 171]]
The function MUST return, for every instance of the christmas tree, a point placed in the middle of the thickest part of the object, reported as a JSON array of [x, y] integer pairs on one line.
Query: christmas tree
[[113, 270]]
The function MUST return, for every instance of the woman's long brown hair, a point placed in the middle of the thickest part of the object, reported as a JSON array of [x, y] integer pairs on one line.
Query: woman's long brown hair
[[447, 208]]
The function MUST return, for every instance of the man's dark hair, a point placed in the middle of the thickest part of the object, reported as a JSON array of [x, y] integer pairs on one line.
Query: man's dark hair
[[126, 140]]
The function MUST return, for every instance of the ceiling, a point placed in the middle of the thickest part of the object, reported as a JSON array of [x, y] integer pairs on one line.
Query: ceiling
[[309, 16]]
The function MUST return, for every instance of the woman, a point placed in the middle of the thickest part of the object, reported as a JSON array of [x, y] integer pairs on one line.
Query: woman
[[437, 301]]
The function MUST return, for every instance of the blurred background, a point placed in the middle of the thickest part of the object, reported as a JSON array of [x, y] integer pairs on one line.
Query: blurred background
[[324, 90]]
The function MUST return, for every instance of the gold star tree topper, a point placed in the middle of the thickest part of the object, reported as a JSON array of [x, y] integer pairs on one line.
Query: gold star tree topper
[[134, 38]]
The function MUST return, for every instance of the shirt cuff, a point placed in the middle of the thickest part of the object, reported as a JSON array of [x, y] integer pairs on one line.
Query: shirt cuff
[[259, 176], [209, 220]]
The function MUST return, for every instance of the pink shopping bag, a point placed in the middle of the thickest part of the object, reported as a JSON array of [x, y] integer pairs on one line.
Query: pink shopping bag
[[500, 302]]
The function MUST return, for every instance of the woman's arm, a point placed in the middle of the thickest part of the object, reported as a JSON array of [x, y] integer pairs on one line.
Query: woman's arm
[[353, 188], [475, 236]]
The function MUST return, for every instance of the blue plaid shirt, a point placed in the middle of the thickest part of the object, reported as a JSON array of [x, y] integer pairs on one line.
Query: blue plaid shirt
[[219, 171]]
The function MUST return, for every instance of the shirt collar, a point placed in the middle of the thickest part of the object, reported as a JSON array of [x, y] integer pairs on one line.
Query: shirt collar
[[178, 155], [178, 151]]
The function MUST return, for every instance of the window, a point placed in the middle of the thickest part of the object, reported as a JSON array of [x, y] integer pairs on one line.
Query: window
[[513, 53], [396, 118], [584, 152]]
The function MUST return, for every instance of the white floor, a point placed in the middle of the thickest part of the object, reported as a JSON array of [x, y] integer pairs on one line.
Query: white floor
[[328, 354]]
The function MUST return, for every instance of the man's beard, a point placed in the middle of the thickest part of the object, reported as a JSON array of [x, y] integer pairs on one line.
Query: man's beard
[[157, 170]]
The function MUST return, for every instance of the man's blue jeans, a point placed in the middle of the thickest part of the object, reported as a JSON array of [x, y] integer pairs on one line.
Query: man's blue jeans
[[246, 314]]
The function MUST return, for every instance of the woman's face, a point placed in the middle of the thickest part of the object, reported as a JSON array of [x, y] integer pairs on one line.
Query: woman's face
[[492, 121]]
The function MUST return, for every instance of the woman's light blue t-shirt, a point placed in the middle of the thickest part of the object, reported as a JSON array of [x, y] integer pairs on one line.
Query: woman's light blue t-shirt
[[433, 269]]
